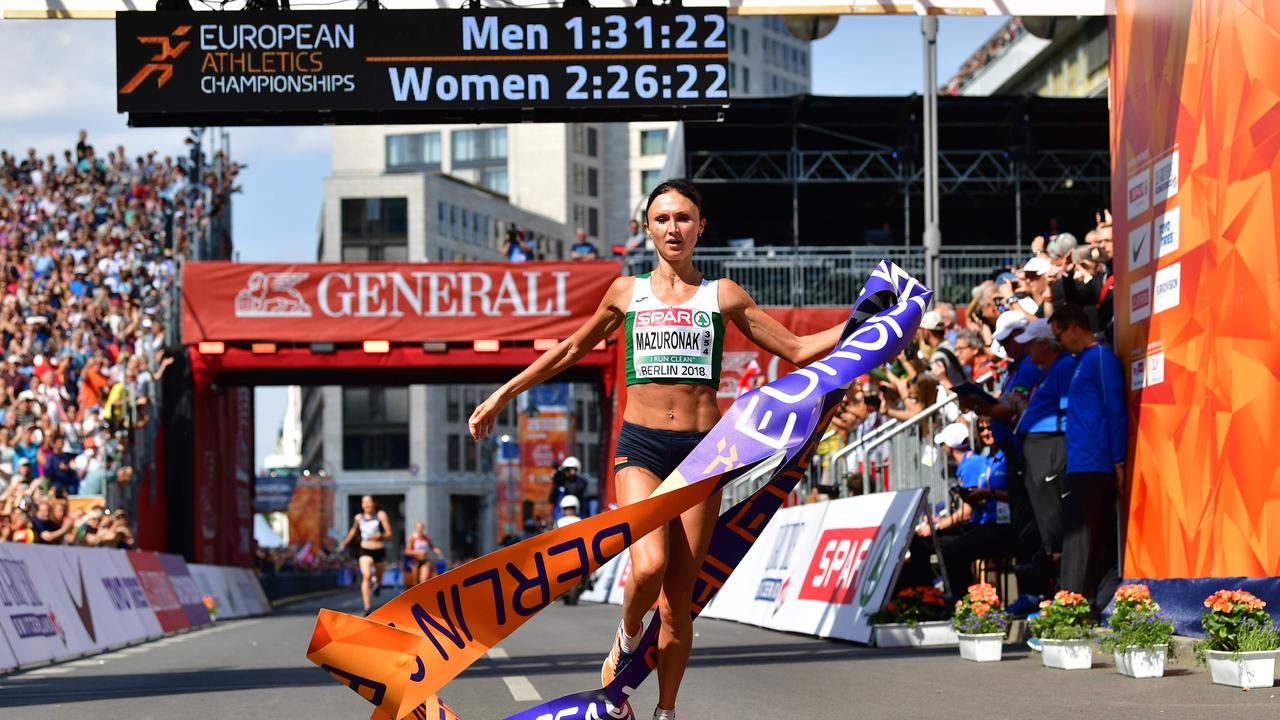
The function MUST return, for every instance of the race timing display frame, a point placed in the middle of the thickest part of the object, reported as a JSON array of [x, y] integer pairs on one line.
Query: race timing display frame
[[421, 66]]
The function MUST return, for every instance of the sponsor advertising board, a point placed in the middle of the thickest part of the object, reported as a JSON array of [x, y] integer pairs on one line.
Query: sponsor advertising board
[[64, 602], [819, 569]]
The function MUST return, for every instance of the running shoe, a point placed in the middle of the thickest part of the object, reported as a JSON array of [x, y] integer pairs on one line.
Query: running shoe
[[616, 662], [1034, 642]]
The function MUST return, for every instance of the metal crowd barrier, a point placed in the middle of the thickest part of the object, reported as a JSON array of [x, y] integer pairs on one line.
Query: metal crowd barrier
[[808, 276]]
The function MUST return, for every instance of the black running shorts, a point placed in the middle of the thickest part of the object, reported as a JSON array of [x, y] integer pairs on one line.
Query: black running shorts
[[658, 451]]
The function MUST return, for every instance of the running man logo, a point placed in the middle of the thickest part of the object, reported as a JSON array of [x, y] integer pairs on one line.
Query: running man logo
[[161, 62]]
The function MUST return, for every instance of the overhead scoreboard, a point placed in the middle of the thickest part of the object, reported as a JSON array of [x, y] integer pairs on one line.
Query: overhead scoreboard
[[419, 66]]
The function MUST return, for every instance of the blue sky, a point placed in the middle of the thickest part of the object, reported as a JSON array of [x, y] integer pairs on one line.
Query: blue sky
[[276, 217]]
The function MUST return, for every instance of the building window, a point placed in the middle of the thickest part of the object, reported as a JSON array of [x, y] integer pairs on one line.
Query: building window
[[593, 222], [469, 457], [495, 179], [733, 34], [419, 151], [649, 180], [375, 229], [593, 182], [471, 147], [653, 142], [746, 42], [454, 459], [733, 76], [452, 405], [579, 179], [593, 142], [485, 151], [746, 79], [375, 428]]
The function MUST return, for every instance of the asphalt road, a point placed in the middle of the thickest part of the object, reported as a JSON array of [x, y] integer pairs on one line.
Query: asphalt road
[[249, 669]]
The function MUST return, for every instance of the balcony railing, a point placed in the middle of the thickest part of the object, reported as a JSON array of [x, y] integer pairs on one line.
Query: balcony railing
[[813, 276]]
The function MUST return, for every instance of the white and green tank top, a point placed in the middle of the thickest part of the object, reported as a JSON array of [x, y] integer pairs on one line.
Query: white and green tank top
[[681, 344]]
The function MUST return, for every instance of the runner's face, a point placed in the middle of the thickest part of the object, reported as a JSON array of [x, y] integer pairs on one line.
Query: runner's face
[[675, 224]]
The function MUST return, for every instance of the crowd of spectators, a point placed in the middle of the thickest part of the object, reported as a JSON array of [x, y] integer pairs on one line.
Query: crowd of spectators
[[88, 248], [1022, 398], [984, 55]]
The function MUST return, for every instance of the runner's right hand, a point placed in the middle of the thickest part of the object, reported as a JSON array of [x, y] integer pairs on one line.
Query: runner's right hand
[[485, 414]]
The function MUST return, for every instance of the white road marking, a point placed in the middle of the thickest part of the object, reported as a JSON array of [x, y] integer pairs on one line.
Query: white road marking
[[521, 689], [63, 670], [498, 654]]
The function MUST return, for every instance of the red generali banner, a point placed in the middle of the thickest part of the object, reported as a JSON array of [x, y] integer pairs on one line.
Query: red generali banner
[[336, 302]]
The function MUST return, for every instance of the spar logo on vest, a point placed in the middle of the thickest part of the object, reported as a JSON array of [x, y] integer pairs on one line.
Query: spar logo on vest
[[837, 559]]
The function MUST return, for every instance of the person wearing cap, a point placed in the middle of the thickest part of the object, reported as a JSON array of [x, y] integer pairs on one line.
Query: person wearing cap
[[980, 524], [1021, 377], [932, 333], [569, 507], [1041, 431], [1097, 436], [1035, 282], [567, 482]]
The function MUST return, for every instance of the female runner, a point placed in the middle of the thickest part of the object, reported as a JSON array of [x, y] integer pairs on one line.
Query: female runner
[[673, 319], [422, 552], [374, 528]]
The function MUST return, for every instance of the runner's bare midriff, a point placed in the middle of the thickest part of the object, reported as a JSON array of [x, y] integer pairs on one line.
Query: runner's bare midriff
[[672, 406]]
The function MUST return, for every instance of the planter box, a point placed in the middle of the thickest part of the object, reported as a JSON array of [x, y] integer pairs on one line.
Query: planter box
[[1142, 663], [1247, 670], [986, 647], [925, 634], [1067, 654]]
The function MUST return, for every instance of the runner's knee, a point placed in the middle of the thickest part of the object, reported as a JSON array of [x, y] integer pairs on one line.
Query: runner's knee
[[647, 567]]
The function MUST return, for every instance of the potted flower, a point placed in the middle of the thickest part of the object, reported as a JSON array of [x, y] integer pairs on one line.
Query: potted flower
[[981, 624], [1064, 629], [211, 605], [915, 617], [1138, 633], [1240, 640]]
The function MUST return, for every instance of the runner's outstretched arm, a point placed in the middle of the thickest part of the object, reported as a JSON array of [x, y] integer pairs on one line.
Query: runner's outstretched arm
[[563, 356], [765, 331]]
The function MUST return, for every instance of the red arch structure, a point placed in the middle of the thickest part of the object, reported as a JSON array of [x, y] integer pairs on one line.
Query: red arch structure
[[368, 323]]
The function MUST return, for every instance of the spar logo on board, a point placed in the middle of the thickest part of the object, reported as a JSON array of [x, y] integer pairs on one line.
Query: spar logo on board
[[833, 571]]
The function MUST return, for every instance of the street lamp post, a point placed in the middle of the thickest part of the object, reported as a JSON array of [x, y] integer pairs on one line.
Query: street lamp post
[[932, 233]]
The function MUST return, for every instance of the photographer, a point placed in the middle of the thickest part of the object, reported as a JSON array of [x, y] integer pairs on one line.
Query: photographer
[[980, 527]]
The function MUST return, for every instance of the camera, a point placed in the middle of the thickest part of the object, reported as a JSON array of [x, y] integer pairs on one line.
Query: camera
[[1086, 254]]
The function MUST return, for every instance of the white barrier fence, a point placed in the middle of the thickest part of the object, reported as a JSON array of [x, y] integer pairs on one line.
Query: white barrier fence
[[60, 602], [821, 569]]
